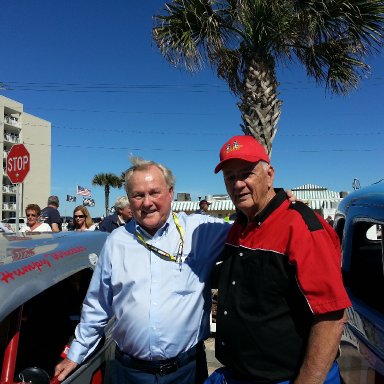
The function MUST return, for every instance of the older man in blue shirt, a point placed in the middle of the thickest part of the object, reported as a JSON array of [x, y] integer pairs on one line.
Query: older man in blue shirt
[[153, 276]]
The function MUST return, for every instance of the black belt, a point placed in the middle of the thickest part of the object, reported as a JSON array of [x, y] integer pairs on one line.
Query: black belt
[[159, 367]]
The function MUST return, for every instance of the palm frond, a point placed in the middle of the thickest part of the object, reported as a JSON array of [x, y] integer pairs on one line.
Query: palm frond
[[331, 38], [186, 32]]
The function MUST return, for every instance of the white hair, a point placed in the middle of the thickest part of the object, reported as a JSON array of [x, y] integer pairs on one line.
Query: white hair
[[121, 202], [139, 164]]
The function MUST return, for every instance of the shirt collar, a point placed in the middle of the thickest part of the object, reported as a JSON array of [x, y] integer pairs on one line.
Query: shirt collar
[[160, 232], [120, 220], [276, 201]]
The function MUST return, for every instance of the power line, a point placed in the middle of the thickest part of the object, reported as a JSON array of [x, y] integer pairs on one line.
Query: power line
[[196, 150], [108, 87], [172, 113], [119, 87], [189, 132]]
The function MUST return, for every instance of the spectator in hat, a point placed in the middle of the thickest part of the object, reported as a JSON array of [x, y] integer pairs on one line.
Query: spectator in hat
[[51, 215], [204, 205]]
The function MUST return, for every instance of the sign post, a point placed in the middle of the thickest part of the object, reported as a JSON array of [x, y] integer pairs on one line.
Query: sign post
[[18, 165]]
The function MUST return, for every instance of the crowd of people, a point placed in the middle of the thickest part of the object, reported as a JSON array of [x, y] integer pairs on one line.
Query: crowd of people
[[281, 299], [49, 219]]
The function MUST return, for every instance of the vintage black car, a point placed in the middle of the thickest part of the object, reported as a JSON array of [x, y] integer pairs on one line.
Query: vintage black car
[[43, 280], [359, 222]]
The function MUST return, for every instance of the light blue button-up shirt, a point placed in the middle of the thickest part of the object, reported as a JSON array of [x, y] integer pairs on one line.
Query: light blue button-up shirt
[[161, 307]]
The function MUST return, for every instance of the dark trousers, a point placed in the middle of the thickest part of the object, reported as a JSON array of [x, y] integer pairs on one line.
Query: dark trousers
[[127, 370]]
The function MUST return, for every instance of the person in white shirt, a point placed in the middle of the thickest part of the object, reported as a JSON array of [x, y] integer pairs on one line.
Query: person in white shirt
[[33, 212]]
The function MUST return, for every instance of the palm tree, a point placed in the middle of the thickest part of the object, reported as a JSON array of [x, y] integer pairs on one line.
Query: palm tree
[[122, 176], [244, 40], [107, 180]]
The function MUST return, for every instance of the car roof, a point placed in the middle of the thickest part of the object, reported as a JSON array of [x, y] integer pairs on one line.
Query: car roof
[[370, 199], [31, 263]]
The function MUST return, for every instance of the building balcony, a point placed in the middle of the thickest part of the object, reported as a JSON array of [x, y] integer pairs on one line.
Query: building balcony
[[10, 120], [9, 189], [9, 206], [11, 138]]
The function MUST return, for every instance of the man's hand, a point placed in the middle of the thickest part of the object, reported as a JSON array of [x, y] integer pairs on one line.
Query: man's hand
[[64, 368], [55, 227], [291, 197]]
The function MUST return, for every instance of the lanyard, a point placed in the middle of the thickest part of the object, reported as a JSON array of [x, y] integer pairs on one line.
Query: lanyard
[[160, 251]]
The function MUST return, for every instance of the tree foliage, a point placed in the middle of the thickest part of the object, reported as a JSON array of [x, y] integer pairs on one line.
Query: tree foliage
[[244, 40], [108, 181]]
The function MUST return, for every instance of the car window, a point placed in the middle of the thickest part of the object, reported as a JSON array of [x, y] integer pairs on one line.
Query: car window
[[48, 322], [374, 232], [367, 270]]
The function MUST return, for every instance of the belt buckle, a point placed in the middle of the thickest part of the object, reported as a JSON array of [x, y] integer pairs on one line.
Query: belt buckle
[[167, 368]]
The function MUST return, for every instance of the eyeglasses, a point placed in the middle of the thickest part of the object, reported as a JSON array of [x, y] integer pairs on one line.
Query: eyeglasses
[[31, 215], [79, 216]]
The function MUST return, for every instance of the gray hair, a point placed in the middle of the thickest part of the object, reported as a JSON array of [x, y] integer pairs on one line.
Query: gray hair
[[264, 164], [121, 202], [139, 164]]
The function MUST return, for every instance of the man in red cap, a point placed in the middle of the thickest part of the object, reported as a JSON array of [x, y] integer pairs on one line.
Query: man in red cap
[[281, 306]]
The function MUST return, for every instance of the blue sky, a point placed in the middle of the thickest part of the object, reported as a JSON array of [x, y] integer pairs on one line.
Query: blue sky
[[91, 68]]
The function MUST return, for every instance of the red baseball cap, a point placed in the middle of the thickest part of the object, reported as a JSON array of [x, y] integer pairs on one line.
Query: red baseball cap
[[242, 147]]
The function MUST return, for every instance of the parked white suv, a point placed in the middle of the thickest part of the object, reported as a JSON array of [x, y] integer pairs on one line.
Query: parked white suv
[[11, 223]]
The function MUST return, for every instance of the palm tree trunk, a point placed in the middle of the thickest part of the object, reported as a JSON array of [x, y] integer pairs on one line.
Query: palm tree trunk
[[259, 104], [106, 199]]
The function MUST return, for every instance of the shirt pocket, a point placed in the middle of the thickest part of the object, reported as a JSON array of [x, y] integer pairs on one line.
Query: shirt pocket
[[185, 276]]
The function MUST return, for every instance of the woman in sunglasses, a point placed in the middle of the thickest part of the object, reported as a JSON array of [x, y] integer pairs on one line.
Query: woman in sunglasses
[[82, 220], [32, 212]]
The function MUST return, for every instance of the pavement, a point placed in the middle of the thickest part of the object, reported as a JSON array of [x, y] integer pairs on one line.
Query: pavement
[[213, 364]]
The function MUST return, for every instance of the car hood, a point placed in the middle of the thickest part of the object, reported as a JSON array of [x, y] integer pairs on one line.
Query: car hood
[[31, 263]]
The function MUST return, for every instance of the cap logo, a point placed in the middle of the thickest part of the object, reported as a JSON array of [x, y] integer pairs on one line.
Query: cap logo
[[233, 147]]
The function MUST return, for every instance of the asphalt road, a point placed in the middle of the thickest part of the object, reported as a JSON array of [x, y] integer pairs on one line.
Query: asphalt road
[[213, 364]]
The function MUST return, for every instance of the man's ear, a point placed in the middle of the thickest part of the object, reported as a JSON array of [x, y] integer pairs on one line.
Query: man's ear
[[171, 192], [271, 175]]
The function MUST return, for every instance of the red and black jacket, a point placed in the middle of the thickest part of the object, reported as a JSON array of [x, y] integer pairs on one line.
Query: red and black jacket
[[277, 273]]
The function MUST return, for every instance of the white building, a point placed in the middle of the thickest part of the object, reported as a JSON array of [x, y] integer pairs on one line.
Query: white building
[[19, 127], [320, 199]]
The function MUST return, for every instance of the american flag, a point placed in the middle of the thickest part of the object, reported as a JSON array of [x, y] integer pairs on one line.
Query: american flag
[[83, 191]]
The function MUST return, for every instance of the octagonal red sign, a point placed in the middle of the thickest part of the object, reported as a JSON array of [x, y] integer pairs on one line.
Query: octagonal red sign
[[18, 163]]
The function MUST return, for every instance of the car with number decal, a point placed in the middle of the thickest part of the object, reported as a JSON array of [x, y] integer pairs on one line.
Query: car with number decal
[[359, 222], [43, 281]]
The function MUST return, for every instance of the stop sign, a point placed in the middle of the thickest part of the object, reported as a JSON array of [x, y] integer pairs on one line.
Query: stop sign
[[18, 163]]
